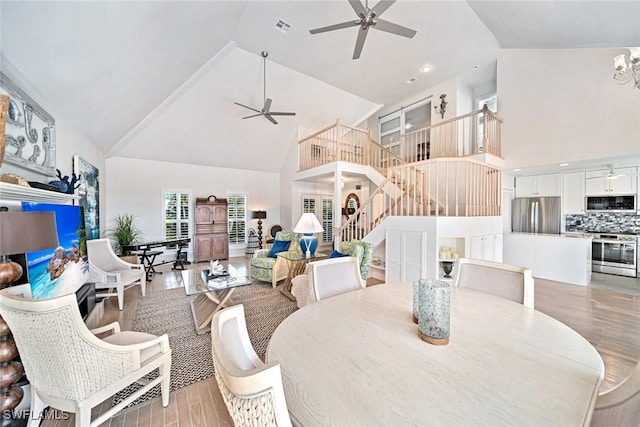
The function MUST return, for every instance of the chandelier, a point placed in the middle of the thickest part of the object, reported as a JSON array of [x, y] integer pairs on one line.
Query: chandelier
[[628, 71]]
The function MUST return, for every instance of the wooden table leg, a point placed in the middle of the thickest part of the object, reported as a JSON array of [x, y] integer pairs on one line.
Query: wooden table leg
[[205, 305], [296, 269]]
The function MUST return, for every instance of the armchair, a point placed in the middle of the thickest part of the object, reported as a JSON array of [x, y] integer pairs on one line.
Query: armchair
[[362, 251], [266, 269], [110, 272], [71, 369], [335, 276], [619, 406]]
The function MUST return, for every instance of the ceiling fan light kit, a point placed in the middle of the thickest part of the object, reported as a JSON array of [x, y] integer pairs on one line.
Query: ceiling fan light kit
[[266, 108], [628, 71], [368, 18]]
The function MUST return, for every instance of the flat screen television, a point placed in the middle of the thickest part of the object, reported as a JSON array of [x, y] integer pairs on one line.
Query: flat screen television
[[64, 269]]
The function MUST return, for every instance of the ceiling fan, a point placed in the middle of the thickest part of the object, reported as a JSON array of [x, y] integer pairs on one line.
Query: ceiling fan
[[368, 18], [266, 108], [611, 174]]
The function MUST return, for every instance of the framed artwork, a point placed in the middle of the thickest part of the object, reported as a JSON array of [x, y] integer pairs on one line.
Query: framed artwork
[[29, 139], [89, 195]]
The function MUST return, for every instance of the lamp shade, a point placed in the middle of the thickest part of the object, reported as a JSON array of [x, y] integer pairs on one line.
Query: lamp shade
[[308, 223], [259, 214], [22, 232]]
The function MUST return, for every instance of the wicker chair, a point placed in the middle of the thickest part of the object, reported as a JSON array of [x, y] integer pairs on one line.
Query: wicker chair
[[619, 406], [331, 277], [495, 278], [251, 389], [109, 272], [71, 369]]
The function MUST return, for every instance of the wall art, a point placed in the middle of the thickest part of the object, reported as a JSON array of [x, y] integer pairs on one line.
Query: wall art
[[88, 191], [29, 140]]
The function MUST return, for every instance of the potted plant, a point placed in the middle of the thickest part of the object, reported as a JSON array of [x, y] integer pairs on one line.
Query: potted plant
[[124, 232]]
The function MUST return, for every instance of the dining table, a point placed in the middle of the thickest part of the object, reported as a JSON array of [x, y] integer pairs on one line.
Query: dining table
[[356, 360]]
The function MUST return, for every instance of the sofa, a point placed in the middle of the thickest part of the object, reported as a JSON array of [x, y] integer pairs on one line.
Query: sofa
[[267, 269]]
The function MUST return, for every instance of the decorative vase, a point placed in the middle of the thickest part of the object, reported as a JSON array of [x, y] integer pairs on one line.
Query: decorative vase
[[447, 267], [434, 311], [308, 244]]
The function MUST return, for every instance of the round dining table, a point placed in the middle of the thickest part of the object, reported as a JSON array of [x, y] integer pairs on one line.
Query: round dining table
[[356, 360]]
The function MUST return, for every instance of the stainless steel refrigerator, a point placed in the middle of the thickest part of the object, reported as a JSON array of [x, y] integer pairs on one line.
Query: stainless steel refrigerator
[[536, 215]]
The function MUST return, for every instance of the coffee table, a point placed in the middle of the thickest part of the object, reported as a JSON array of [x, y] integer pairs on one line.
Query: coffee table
[[212, 295], [297, 265]]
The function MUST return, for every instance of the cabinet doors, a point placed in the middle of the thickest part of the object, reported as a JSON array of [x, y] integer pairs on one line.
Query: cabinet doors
[[487, 247], [538, 185], [573, 193], [204, 214], [211, 247], [406, 255], [598, 183]]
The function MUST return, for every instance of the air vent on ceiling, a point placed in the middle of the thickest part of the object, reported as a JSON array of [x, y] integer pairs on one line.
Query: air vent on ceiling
[[282, 26], [411, 80]]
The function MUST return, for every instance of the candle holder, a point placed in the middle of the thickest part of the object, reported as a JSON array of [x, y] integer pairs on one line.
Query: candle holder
[[447, 268], [434, 302]]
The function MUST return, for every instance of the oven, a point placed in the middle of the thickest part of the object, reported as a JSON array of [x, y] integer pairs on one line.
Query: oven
[[614, 254]]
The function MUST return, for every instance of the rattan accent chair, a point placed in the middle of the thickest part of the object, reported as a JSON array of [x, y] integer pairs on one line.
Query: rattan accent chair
[[251, 389], [73, 370], [619, 406], [496, 278], [110, 272]]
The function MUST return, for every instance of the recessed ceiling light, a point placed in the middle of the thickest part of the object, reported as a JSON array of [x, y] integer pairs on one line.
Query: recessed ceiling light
[[517, 170], [426, 68], [408, 126], [475, 67], [564, 164], [411, 80]]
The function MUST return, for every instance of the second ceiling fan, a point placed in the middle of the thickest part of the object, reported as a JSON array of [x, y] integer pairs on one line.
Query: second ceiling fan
[[368, 18], [266, 108]]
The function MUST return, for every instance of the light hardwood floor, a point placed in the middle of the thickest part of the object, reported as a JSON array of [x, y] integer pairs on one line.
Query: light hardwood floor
[[609, 320]]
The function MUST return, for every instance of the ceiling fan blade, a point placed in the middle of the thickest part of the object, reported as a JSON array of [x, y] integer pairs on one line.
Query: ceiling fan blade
[[362, 35], [382, 5], [358, 7], [340, 26], [267, 106], [250, 108], [392, 28], [271, 119], [281, 113], [254, 115]]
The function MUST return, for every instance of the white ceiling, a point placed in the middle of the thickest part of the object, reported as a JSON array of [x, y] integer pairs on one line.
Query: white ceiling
[[158, 79]]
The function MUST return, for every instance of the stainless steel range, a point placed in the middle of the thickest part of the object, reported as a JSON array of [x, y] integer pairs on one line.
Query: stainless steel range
[[614, 254]]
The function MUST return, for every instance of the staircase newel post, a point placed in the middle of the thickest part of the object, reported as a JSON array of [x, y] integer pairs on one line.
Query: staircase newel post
[[485, 110], [338, 148]]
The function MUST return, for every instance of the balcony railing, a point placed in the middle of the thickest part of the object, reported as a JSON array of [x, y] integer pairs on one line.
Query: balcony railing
[[438, 187]]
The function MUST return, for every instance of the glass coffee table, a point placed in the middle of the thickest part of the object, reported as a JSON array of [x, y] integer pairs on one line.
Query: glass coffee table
[[212, 294], [297, 264]]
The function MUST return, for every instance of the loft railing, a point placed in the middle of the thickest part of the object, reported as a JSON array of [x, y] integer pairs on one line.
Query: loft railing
[[473, 133], [339, 142], [438, 187]]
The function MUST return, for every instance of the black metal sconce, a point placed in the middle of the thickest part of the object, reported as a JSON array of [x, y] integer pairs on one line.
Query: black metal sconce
[[443, 105]]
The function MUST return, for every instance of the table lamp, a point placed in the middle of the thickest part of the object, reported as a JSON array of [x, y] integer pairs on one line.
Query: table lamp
[[308, 224], [20, 232], [259, 215]]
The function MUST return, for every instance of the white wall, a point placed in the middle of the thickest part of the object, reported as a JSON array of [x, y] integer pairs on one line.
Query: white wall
[[564, 106], [137, 187]]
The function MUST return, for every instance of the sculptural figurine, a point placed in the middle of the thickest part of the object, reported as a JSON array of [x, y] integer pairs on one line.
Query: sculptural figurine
[[63, 183]]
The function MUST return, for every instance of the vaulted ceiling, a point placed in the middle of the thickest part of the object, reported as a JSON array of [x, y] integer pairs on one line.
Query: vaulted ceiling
[[158, 79]]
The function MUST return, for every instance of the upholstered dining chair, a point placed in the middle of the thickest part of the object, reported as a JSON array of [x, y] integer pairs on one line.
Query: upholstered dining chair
[[335, 276], [110, 272], [251, 389], [272, 269], [620, 405], [495, 278], [73, 370]]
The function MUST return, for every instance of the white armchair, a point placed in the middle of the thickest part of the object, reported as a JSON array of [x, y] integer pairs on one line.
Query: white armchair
[[112, 273], [619, 406], [335, 276], [251, 389], [496, 278], [71, 369]]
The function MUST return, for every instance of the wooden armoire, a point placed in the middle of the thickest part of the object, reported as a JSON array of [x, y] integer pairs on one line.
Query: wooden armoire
[[211, 240]]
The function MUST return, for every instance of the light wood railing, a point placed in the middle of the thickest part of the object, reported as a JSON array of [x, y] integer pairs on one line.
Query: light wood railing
[[438, 187]]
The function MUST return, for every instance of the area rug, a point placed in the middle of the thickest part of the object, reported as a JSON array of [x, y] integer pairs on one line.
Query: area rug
[[169, 312]]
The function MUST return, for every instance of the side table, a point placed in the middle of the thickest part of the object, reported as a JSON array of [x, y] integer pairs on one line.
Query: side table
[[297, 265]]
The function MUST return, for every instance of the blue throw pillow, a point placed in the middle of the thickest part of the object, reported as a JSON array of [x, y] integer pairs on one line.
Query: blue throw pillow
[[278, 246], [336, 254]]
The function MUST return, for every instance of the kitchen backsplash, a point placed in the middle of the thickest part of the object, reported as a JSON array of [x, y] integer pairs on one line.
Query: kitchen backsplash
[[603, 222]]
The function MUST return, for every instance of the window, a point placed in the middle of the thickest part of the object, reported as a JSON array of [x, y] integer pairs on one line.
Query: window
[[237, 218], [313, 204], [176, 214], [406, 120]]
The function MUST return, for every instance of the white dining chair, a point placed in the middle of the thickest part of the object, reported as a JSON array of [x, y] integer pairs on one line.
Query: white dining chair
[[335, 276], [620, 405], [496, 278], [70, 368], [251, 389], [110, 272]]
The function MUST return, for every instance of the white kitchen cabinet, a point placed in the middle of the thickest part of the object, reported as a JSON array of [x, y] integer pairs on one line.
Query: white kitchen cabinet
[[405, 255], [538, 185], [487, 247], [598, 184], [573, 193]]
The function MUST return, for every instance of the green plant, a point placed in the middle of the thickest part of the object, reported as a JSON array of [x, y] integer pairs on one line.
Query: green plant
[[123, 232]]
